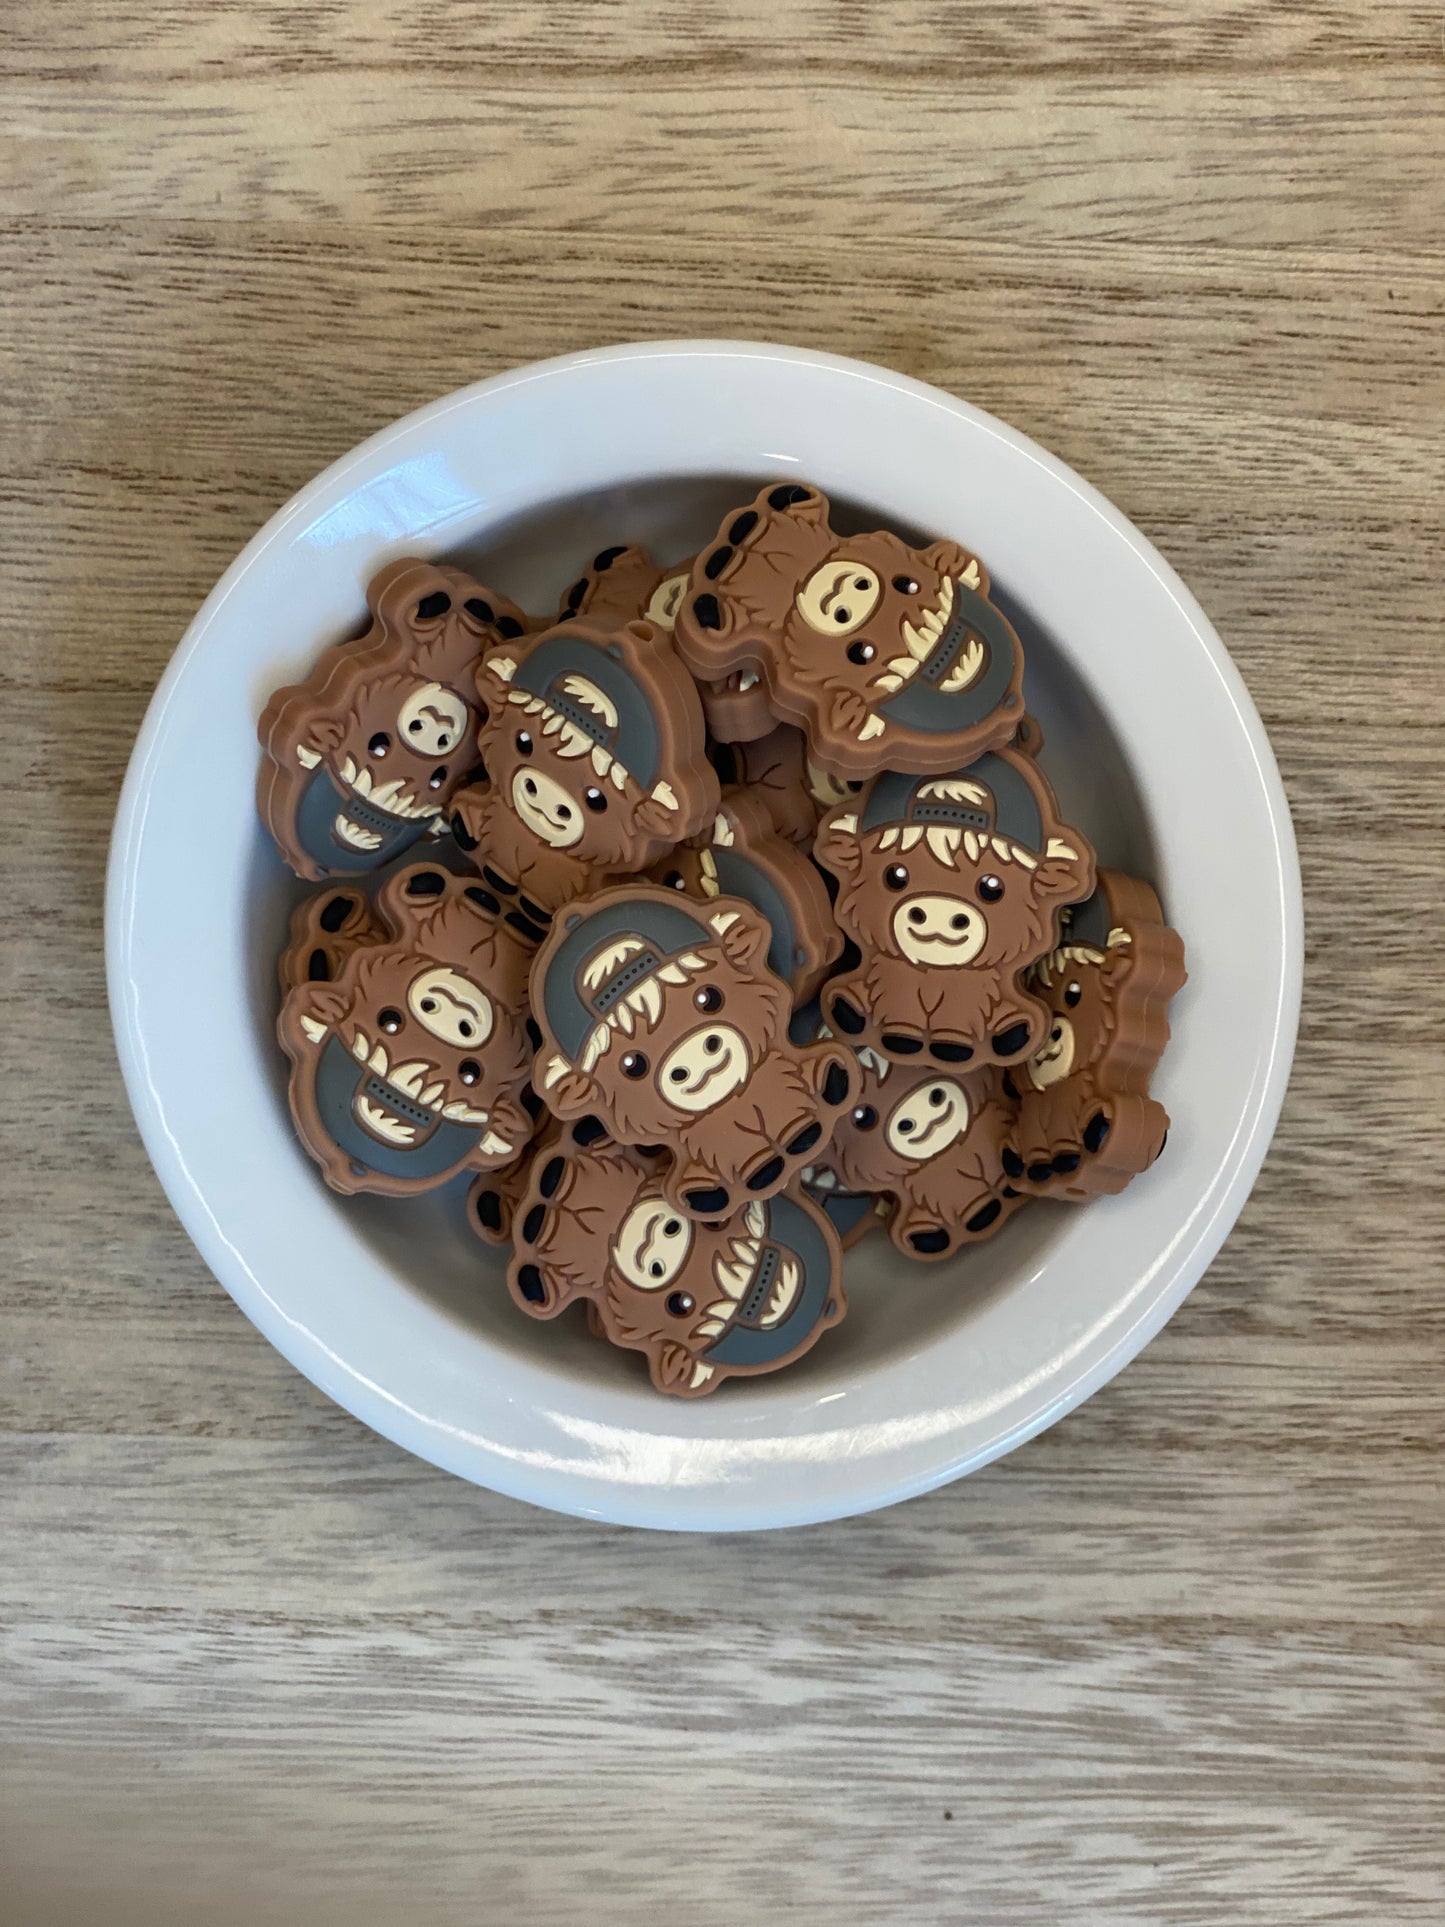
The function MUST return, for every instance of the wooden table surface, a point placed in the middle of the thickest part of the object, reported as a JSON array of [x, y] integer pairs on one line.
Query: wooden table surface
[[1178, 1660]]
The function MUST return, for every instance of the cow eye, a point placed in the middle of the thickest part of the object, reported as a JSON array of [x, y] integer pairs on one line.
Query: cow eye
[[990, 889], [895, 877], [1073, 994], [634, 1064]]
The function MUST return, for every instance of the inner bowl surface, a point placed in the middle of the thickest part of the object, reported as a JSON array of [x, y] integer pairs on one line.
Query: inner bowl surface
[[393, 1307]]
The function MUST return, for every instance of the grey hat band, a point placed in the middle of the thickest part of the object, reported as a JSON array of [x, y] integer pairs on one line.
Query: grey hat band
[[396, 1100], [581, 718], [617, 987], [958, 813], [762, 1284]]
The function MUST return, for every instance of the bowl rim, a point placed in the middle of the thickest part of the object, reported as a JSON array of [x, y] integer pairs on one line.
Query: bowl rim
[[626, 1503]]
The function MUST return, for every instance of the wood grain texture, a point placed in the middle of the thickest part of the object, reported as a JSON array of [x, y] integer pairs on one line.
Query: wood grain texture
[[1181, 1659]]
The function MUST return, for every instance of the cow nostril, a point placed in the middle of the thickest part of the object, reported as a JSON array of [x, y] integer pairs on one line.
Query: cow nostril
[[958, 923], [712, 1043], [916, 915], [679, 1076], [530, 787], [564, 813]]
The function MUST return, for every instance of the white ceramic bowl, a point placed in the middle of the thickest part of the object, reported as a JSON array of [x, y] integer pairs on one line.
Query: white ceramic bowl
[[394, 1309]]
